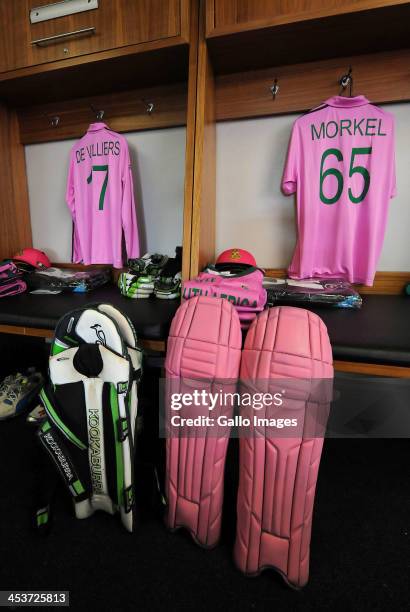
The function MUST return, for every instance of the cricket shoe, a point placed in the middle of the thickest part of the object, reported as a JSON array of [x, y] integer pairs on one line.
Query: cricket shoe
[[19, 395]]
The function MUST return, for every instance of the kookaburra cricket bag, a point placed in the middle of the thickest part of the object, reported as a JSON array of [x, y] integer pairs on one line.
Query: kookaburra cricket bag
[[91, 405]]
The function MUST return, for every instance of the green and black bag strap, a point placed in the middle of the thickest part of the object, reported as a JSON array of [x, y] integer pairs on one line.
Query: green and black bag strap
[[44, 487], [50, 404], [54, 443], [119, 397]]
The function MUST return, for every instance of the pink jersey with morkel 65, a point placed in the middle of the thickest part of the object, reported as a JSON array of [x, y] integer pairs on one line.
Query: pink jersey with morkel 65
[[341, 164]]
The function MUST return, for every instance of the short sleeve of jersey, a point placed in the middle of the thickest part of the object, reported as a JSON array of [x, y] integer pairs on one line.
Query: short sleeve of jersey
[[291, 172]]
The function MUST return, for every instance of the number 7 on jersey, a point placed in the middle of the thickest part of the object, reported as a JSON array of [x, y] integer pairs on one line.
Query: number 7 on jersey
[[104, 185]]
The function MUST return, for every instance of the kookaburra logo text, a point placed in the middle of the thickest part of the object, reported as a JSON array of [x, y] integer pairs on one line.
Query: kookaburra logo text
[[94, 435]]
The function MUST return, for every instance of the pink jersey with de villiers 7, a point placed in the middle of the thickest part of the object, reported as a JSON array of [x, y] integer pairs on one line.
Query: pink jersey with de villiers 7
[[100, 196], [341, 164]]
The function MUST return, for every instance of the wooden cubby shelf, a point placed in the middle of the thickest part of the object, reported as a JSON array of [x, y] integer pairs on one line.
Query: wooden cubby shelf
[[326, 30]]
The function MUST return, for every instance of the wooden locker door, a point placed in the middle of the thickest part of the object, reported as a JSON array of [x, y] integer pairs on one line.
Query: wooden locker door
[[14, 25], [99, 25], [114, 24], [148, 20], [17, 34]]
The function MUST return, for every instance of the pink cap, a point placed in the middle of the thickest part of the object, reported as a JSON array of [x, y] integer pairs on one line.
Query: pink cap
[[236, 256], [33, 257]]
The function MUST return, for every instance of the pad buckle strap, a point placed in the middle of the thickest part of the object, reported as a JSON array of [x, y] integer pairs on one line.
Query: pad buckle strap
[[53, 443], [77, 490], [136, 375], [122, 429], [42, 517], [128, 498]]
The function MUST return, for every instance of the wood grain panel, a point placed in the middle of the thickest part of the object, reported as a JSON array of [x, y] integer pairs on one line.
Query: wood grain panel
[[15, 228], [152, 345], [185, 8], [382, 77], [203, 224], [385, 283], [367, 31], [190, 140], [159, 346], [200, 185], [26, 331], [14, 34], [234, 15], [124, 112], [147, 20], [372, 369], [204, 196], [117, 23]]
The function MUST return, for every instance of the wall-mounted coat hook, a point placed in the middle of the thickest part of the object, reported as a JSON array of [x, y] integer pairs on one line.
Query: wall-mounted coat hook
[[149, 106], [346, 80], [53, 121], [99, 114], [274, 89]]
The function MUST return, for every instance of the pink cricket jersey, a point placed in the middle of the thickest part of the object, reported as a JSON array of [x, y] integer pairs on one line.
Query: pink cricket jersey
[[341, 163], [100, 196]]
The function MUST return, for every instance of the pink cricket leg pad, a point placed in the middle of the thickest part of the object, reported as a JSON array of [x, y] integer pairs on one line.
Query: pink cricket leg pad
[[286, 349], [203, 352]]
